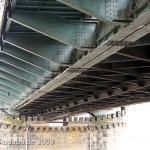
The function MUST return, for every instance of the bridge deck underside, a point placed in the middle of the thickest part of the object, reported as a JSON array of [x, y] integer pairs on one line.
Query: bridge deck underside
[[43, 39], [99, 86]]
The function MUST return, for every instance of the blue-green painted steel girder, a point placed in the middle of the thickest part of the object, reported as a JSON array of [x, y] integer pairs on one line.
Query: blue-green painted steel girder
[[23, 65], [13, 4], [8, 98], [31, 59], [18, 80], [5, 101], [10, 90], [54, 52], [110, 13], [94, 8], [14, 85], [7, 94], [21, 74], [104, 10], [78, 35]]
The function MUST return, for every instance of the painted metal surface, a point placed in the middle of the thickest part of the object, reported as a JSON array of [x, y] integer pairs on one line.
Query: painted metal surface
[[42, 47], [56, 54], [49, 25], [95, 8], [30, 59], [100, 53]]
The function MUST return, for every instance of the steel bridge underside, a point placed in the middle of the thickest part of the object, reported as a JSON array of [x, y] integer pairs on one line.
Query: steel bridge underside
[[61, 57]]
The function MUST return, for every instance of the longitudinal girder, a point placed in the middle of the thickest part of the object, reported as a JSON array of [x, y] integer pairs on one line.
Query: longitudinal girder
[[70, 55]]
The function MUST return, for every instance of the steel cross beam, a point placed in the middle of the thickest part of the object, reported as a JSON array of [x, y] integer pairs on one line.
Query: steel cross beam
[[16, 79], [78, 35], [23, 66], [106, 11], [138, 55], [34, 60], [77, 88], [97, 84], [5, 101], [8, 98], [129, 64], [111, 105], [103, 10], [10, 90], [8, 94], [54, 52], [107, 80], [141, 42], [14, 85], [21, 74], [100, 97], [132, 32]]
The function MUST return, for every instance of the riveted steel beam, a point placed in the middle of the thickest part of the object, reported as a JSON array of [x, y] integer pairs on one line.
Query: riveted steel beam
[[144, 41], [79, 93], [106, 67], [101, 105], [8, 97], [103, 10], [5, 101], [132, 32], [110, 13], [101, 96], [77, 35], [130, 64], [36, 61], [76, 88], [8, 94], [23, 66], [104, 79], [14, 85], [135, 54], [16, 79], [10, 90], [21, 74], [54, 52]]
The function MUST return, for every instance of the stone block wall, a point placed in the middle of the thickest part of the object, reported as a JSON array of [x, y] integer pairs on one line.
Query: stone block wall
[[97, 133], [69, 138], [107, 138]]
